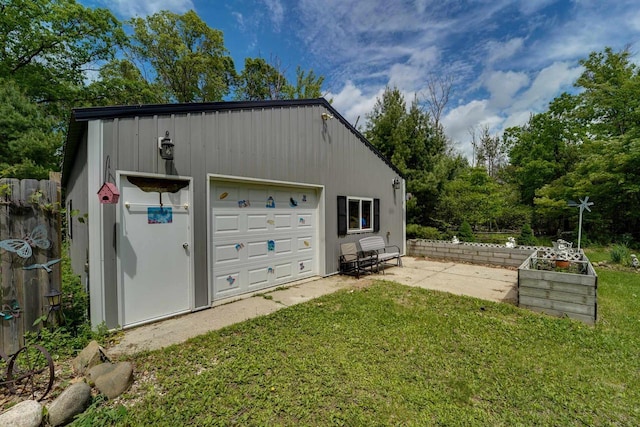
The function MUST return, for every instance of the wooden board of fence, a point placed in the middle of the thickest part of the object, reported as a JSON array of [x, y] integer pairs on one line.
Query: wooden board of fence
[[27, 205]]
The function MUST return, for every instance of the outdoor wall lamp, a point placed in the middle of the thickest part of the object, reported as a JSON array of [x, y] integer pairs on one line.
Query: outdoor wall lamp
[[165, 145], [396, 183], [326, 116]]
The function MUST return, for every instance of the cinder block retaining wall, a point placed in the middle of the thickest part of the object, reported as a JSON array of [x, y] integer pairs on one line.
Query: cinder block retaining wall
[[481, 253]]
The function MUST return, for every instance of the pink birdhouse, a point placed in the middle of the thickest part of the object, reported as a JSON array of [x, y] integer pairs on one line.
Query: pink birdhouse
[[108, 193]]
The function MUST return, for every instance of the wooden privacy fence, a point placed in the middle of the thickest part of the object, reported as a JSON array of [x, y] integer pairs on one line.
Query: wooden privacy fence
[[29, 248]]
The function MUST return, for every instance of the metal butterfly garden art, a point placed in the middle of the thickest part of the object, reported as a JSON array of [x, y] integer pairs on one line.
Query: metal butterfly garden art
[[23, 247]]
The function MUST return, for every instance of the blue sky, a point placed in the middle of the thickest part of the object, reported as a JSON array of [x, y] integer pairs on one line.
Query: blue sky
[[507, 59]]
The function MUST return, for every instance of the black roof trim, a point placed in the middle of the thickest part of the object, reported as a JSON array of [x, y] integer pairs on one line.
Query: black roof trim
[[93, 113], [80, 115]]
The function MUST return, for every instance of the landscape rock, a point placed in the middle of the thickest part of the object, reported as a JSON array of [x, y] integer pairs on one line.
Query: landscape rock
[[25, 414], [115, 381], [71, 402], [91, 356], [98, 371]]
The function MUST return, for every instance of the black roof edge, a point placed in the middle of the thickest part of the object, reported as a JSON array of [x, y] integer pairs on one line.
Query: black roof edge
[[85, 114]]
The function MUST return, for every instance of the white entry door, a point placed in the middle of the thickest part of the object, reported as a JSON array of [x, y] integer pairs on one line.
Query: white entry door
[[262, 236], [154, 248]]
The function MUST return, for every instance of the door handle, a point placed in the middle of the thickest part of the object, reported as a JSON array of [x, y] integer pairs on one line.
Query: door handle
[[185, 245]]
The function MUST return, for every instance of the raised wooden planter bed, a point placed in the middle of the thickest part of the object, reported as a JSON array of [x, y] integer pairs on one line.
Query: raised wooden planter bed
[[571, 292]]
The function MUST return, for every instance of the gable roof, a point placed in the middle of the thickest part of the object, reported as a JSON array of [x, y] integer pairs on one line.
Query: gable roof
[[80, 117]]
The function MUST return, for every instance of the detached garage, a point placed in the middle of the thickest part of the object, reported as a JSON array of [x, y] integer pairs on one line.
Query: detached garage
[[174, 208]]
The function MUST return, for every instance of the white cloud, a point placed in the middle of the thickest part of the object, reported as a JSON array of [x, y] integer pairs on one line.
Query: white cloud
[[352, 104], [129, 8], [239, 19], [547, 84], [499, 51], [503, 86], [633, 20], [460, 120], [276, 13], [529, 7]]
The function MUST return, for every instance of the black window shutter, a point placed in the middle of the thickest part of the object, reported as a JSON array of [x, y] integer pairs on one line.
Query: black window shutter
[[376, 215], [342, 215]]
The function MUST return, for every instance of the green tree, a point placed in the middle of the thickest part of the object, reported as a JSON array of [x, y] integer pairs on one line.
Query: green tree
[[489, 151], [383, 127], [465, 233], [610, 101], [121, 83], [260, 81], [545, 148], [308, 85], [608, 171], [187, 57], [526, 237], [476, 197], [29, 142], [415, 146], [48, 46]]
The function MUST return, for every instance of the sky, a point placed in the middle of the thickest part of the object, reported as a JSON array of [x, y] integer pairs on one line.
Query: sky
[[506, 59]]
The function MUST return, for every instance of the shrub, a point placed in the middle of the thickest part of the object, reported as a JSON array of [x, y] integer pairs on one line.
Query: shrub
[[417, 231], [620, 254], [465, 234], [526, 237], [72, 332]]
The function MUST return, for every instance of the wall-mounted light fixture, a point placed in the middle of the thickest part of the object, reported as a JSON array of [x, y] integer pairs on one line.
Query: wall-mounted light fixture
[[326, 116], [396, 183], [165, 145]]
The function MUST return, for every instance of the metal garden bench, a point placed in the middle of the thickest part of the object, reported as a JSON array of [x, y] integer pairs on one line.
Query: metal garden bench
[[353, 261], [375, 246]]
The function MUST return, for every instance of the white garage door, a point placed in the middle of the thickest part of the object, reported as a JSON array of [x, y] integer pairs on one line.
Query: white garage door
[[261, 236]]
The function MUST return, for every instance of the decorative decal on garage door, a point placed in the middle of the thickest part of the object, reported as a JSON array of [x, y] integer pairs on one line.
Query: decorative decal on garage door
[[270, 202], [260, 245]]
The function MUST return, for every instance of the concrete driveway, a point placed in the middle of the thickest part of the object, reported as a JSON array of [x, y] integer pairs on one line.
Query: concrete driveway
[[493, 284]]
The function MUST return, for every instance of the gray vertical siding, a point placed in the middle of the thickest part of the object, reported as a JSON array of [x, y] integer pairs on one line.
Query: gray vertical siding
[[111, 151], [77, 192], [290, 143]]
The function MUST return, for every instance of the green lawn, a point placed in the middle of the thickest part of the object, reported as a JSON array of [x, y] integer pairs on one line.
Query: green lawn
[[393, 355]]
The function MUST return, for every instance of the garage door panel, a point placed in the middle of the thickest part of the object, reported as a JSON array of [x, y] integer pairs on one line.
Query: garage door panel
[[283, 271], [305, 220], [257, 249], [283, 222], [258, 277], [305, 266], [225, 196], [227, 253], [256, 222], [228, 283], [226, 223], [304, 244], [283, 246]]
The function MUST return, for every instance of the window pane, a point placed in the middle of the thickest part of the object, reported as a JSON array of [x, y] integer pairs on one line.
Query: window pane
[[366, 214], [354, 214]]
